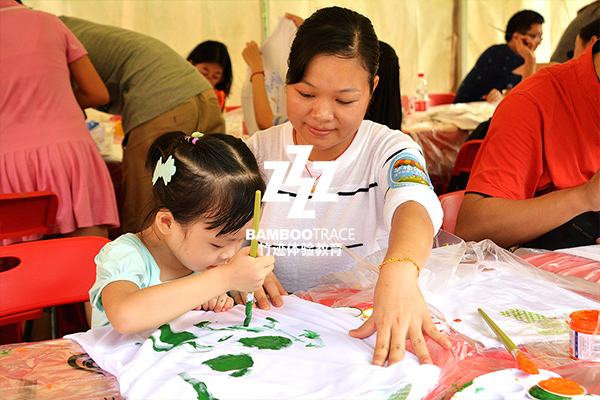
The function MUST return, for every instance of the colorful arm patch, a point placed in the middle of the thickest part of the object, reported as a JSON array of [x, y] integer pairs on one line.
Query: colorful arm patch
[[407, 169]]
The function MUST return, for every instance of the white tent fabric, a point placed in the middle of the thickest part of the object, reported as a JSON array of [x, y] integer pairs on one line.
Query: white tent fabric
[[421, 31]]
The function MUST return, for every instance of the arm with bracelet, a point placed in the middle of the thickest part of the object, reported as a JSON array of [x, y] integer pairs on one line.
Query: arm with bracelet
[[262, 109], [399, 309]]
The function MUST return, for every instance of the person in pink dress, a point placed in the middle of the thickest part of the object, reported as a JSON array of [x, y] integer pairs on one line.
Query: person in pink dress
[[44, 141]]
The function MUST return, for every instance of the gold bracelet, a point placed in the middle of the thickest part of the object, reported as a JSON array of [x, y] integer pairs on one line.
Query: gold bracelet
[[402, 259]]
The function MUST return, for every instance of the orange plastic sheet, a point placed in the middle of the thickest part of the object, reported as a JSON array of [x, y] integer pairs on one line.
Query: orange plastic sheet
[[53, 369], [561, 263]]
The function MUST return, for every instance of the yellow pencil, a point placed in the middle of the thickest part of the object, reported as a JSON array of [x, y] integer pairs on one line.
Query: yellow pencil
[[253, 253]]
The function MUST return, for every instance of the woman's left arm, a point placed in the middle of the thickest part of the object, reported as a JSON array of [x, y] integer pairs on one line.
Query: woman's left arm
[[399, 309], [90, 90]]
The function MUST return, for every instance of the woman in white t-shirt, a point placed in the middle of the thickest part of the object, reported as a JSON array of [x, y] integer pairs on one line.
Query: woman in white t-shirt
[[372, 193]]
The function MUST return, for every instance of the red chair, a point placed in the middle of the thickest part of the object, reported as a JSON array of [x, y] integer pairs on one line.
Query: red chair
[[24, 214], [436, 99], [451, 204], [463, 164], [46, 273]]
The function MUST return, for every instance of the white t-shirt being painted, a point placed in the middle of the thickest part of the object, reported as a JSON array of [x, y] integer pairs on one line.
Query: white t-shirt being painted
[[381, 169]]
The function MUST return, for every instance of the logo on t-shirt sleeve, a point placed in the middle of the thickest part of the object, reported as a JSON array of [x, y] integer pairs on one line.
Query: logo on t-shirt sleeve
[[407, 169]]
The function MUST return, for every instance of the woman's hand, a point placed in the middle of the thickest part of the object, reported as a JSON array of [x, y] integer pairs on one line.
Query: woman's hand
[[252, 56], [399, 313], [217, 304]]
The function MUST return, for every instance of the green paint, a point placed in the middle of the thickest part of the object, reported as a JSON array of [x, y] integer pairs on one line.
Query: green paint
[[230, 362], [206, 326], [199, 387], [313, 336], [537, 392], [169, 337], [224, 338], [401, 394], [266, 342], [248, 313], [479, 389], [466, 385], [6, 352], [239, 373]]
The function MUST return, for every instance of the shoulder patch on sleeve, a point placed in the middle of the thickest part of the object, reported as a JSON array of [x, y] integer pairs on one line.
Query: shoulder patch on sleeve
[[407, 169]]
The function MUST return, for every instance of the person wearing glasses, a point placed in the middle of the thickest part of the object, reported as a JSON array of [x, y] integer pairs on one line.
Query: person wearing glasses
[[502, 66]]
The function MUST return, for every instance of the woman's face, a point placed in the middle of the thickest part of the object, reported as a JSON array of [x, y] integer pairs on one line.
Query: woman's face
[[327, 107], [213, 72]]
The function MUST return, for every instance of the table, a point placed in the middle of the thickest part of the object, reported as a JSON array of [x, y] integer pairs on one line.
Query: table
[[440, 131], [59, 368]]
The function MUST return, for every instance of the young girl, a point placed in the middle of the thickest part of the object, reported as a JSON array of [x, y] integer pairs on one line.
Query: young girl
[[188, 256], [384, 199], [212, 60]]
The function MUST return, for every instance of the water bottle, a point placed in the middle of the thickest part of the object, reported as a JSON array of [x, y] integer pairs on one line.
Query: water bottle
[[421, 96]]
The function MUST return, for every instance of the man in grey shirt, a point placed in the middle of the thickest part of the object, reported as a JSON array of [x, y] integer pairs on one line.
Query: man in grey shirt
[[155, 90]]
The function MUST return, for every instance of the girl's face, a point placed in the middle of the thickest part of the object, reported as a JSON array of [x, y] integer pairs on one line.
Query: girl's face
[[328, 105], [213, 72], [198, 248]]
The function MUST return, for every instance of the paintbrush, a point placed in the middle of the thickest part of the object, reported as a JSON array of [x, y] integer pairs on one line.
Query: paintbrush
[[253, 253], [523, 363]]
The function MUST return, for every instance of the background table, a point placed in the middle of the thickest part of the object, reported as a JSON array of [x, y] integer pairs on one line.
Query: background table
[[440, 131]]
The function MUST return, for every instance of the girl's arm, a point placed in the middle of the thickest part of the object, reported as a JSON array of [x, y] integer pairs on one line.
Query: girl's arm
[[399, 309], [90, 90], [131, 309]]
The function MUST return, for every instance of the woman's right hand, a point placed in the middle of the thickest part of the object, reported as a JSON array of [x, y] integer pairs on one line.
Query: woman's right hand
[[246, 273], [252, 56]]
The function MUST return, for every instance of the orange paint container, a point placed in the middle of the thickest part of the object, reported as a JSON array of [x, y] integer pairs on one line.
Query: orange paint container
[[584, 335]]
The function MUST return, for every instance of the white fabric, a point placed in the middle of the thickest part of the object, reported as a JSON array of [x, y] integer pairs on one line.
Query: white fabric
[[334, 365], [368, 194], [274, 53]]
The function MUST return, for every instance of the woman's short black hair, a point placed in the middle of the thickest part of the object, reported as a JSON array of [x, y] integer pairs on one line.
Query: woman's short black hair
[[334, 31], [521, 22], [215, 180], [214, 52]]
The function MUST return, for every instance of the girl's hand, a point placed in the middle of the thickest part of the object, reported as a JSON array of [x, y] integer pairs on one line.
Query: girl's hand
[[217, 304], [297, 20], [252, 56], [399, 313], [246, 273]]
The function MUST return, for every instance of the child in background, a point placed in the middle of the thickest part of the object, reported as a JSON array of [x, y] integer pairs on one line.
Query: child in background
[[188, 255], [212, 60]]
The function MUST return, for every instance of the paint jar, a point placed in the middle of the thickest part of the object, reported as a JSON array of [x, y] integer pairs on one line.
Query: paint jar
[[584, 335]]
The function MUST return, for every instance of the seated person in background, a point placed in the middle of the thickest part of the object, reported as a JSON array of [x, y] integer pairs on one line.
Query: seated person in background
[[536, 178], [566, 45], [502, 66], [212, 60], [262, 109], [385, 107], [155, 90]]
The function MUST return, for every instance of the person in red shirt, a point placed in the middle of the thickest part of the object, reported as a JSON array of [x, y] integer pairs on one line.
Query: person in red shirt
[[536, 179]]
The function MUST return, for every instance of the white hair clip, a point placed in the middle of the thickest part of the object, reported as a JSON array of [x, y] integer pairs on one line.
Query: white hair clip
[[164, 170]]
